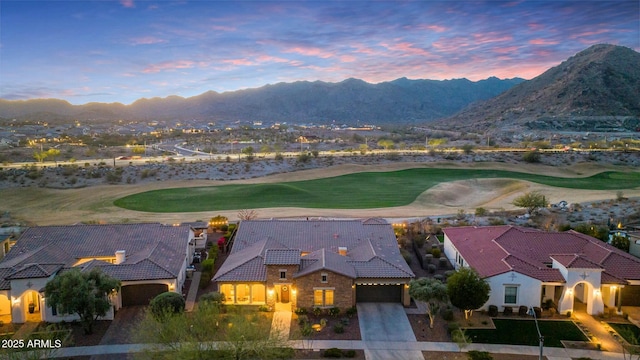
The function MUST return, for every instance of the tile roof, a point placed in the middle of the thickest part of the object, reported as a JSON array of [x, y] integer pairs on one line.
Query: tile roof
[[34, 271], [153, 251], [326, 260], [493, 250], [372, 249], [282, 257]]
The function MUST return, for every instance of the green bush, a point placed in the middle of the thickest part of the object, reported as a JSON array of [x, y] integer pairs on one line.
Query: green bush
[[214, 297], [436, 253], [352, 311], [205, 278], [207, 266], [531, 157], [447, 314], [317, 311], [349, 353], [334, 311], [332, 353], [166, 303], [303, 320], [338, 328], [300, 311]]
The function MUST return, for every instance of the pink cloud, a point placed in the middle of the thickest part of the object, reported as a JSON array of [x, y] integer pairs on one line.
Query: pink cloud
[[435, 28], [535, 26], [589, 33], [146, 40], [238, 62], [169, 66], [505, 49], [490, 37], [347, 58], [127, 3], [406, 48], [542, 42], [222, 28], [310, 51]]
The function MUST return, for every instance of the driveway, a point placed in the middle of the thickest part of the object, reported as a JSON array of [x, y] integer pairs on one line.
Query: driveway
[[384, 322]]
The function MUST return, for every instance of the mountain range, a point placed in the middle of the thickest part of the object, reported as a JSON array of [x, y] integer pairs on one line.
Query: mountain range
[[400, 101], [596, 89]]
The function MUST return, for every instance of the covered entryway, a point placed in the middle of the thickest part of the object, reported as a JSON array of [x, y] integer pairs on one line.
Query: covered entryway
[[141, 294], [378, 293]]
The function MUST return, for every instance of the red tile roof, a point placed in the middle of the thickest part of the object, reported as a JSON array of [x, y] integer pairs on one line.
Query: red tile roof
[[494, 250]]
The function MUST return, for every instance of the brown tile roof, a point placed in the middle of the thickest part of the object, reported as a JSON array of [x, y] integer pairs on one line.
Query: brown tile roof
[[153, 251], [372, 249], [493, 250]]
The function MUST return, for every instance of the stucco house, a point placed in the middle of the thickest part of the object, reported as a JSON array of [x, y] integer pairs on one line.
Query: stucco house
[[314, 263], [525, 267], [147, 258]]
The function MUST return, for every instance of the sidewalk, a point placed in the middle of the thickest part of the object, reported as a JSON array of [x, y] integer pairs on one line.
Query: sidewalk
[[193, 292], [390, 347]]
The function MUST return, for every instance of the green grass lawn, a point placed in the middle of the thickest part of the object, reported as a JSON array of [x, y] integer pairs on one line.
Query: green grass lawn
[[626, 330], [363, 190], [523, 332]]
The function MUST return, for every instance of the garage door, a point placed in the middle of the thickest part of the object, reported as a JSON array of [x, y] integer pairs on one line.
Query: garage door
[[631, 295], [379, 293], [141, 294]]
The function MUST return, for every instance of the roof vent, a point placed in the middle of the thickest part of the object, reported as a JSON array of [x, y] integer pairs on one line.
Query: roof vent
[[342, 250], [120, 256]]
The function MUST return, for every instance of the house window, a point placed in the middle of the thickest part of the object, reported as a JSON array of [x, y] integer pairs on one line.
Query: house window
[[283, 274], [323, 277], [510, 294], [323, 297]]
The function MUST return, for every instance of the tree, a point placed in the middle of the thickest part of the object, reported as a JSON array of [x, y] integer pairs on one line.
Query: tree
[[248, 150], [431, 291], [467, 291], [621, 242], [53, 153], [467, 148], [245, 214], [531, 157], [82, 293], [167, 303], [386, 143], [532, 201], [40, 156]]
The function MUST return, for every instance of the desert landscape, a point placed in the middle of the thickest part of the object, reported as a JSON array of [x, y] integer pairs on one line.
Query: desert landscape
[[56, 205]]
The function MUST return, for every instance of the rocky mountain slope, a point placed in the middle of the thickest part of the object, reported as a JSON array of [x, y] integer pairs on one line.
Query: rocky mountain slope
[[596, 89]]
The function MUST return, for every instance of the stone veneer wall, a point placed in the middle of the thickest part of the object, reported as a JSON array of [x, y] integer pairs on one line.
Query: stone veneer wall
[[343, 295], [273, 274]]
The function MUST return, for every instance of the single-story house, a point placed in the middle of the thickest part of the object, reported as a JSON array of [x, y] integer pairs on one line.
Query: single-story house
[[526, 267], [147, 258], [314, 263]]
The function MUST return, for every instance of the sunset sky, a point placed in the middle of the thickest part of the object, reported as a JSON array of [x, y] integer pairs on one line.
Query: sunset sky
[[120, 51]]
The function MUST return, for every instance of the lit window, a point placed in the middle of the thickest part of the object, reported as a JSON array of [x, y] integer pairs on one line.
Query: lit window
[[323, 297], [510, 294]]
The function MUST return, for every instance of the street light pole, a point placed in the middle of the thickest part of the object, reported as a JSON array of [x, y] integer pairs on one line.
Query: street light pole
[[540, 337]]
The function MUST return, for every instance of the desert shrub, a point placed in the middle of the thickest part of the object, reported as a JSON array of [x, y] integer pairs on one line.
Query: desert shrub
[[436, 252], [479, 355], [522, 310], [166, 303], [214, 297], [493, 311], [447, 314], [349, 353], [406, 256], [332, 353], [443, 263], [428, 258], [481, 211], [431, 268], [338, 328], [344, 321], [419, 241], [317, 311], [263, 308], [303, 319], [352, 311], [448, 273], [300, 311], [451, 327], [531, 157], [508, 310], [334, 311], [207, 265]]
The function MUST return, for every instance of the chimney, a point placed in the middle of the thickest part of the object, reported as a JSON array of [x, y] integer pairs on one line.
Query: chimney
[[342, 250], [120, 256]]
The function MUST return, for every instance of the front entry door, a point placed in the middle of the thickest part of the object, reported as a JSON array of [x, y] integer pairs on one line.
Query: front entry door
[[284, 293]]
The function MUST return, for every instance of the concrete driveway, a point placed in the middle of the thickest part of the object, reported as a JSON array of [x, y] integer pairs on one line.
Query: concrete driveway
[[384, 322]]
